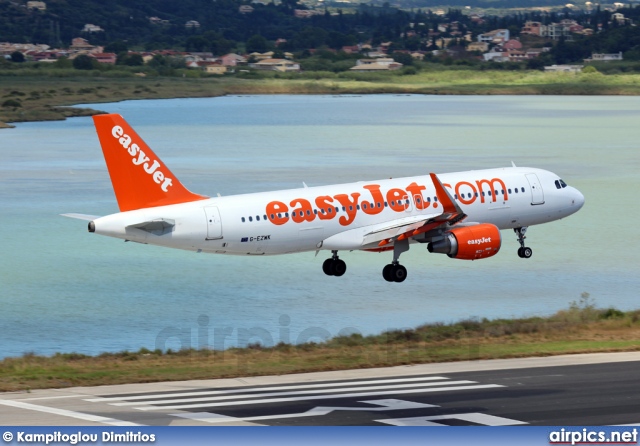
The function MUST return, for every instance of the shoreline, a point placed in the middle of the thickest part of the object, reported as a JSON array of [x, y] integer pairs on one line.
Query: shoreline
[[32, 98], [581, 328]]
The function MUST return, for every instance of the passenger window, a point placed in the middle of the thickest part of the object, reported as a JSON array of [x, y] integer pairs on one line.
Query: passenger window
[[393, 202], [455, 196], [279, 216], [250, 219], [272, 217], [386, 204], [351, 208], [509, 190], [286, 214], [364, 206], [243, 219], [265, 217], [522, 188], [344, 209], [435, 199], [330, 210], [358, 207], [483, 193], [315, 211], [429, 199], [379, 205], [489, 192], [337, 209], [308, 212], [476, 193], [257, 218]]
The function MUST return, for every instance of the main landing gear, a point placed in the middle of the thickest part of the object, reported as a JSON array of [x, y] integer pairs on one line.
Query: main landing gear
[[394, 272], [334, 266], [524, 252]]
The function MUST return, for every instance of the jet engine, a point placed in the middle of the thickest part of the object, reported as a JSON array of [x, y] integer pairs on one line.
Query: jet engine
[[469, 242]]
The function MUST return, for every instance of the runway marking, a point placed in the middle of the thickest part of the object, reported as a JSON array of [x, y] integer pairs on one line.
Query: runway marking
[[319, 397], [53, 397], [299, 392], [386, 405], [476, 418], [67, 413], [270, 388]]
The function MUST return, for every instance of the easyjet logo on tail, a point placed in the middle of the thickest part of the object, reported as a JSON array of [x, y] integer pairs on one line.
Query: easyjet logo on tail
[[139, 158]]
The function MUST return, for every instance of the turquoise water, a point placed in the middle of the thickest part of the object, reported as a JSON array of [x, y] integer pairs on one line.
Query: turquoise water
[[62, 289]]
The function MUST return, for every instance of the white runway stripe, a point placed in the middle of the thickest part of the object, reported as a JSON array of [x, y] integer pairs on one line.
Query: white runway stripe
[[270, 388], [320, 397], [67, 413], [298, 392]]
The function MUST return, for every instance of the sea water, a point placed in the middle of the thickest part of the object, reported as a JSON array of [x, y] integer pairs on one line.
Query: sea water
[[63, 289]]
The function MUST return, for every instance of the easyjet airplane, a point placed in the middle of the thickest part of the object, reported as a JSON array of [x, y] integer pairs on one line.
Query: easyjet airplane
[[458, 214]]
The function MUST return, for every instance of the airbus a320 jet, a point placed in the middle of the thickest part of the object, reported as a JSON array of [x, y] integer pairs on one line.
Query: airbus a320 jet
[[457, 214]]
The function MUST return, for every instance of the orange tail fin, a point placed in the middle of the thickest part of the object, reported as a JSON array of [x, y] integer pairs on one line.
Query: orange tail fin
[[139, 178]]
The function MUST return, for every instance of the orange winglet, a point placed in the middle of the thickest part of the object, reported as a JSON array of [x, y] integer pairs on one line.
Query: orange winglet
[[443, 197], [139, 178]]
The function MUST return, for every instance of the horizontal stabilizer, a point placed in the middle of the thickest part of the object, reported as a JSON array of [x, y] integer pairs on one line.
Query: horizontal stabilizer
[[81, 216]]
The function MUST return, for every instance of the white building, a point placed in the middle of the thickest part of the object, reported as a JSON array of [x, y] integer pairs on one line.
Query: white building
[[495, 36]]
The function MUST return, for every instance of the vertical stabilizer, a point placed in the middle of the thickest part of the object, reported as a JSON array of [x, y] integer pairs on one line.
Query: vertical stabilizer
[[139, 178]]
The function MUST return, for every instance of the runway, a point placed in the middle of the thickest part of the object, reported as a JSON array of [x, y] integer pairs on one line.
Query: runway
[[594, 389]]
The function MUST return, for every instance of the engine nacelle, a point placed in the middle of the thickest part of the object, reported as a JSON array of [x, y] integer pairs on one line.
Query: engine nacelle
[[469, 242]]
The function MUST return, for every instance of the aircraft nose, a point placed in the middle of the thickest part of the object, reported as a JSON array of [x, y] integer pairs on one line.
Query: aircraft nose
[[577, 199]]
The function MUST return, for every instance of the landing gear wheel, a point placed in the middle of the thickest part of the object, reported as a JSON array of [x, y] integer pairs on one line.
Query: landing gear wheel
[[394, 273], [326, 267], [387, 272], [523, 252], [338, 267], [399, 273]]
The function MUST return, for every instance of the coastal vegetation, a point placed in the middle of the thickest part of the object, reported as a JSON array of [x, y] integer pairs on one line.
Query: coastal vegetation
[[581, 328], [37, 95]]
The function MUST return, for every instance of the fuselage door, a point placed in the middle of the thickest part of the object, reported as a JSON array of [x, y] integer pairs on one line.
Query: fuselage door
[[214, 224], [537, 195]]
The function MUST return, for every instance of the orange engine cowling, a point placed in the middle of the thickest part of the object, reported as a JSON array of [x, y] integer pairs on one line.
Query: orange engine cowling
[[469, 242]]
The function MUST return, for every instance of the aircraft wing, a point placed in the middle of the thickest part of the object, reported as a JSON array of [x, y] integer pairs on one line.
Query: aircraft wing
[[384, 235]]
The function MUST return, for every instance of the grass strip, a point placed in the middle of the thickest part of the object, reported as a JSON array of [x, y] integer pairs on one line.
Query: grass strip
[[581, 328]]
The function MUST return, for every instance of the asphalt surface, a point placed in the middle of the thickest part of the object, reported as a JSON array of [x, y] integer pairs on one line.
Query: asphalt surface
[[600, 389]]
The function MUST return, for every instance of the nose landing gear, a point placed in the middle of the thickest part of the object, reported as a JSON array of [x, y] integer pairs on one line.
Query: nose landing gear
[[334, 266], [524, 252]]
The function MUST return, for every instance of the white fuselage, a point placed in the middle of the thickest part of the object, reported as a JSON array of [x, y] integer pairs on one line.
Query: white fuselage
[[338, 216]]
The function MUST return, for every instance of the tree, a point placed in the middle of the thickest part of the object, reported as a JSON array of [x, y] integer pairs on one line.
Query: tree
[[17, 57], [116, 47], [403, 58], [84, 62], [257, 44]]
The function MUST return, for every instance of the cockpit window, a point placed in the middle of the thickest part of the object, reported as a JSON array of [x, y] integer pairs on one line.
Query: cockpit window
[[563, 184]]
